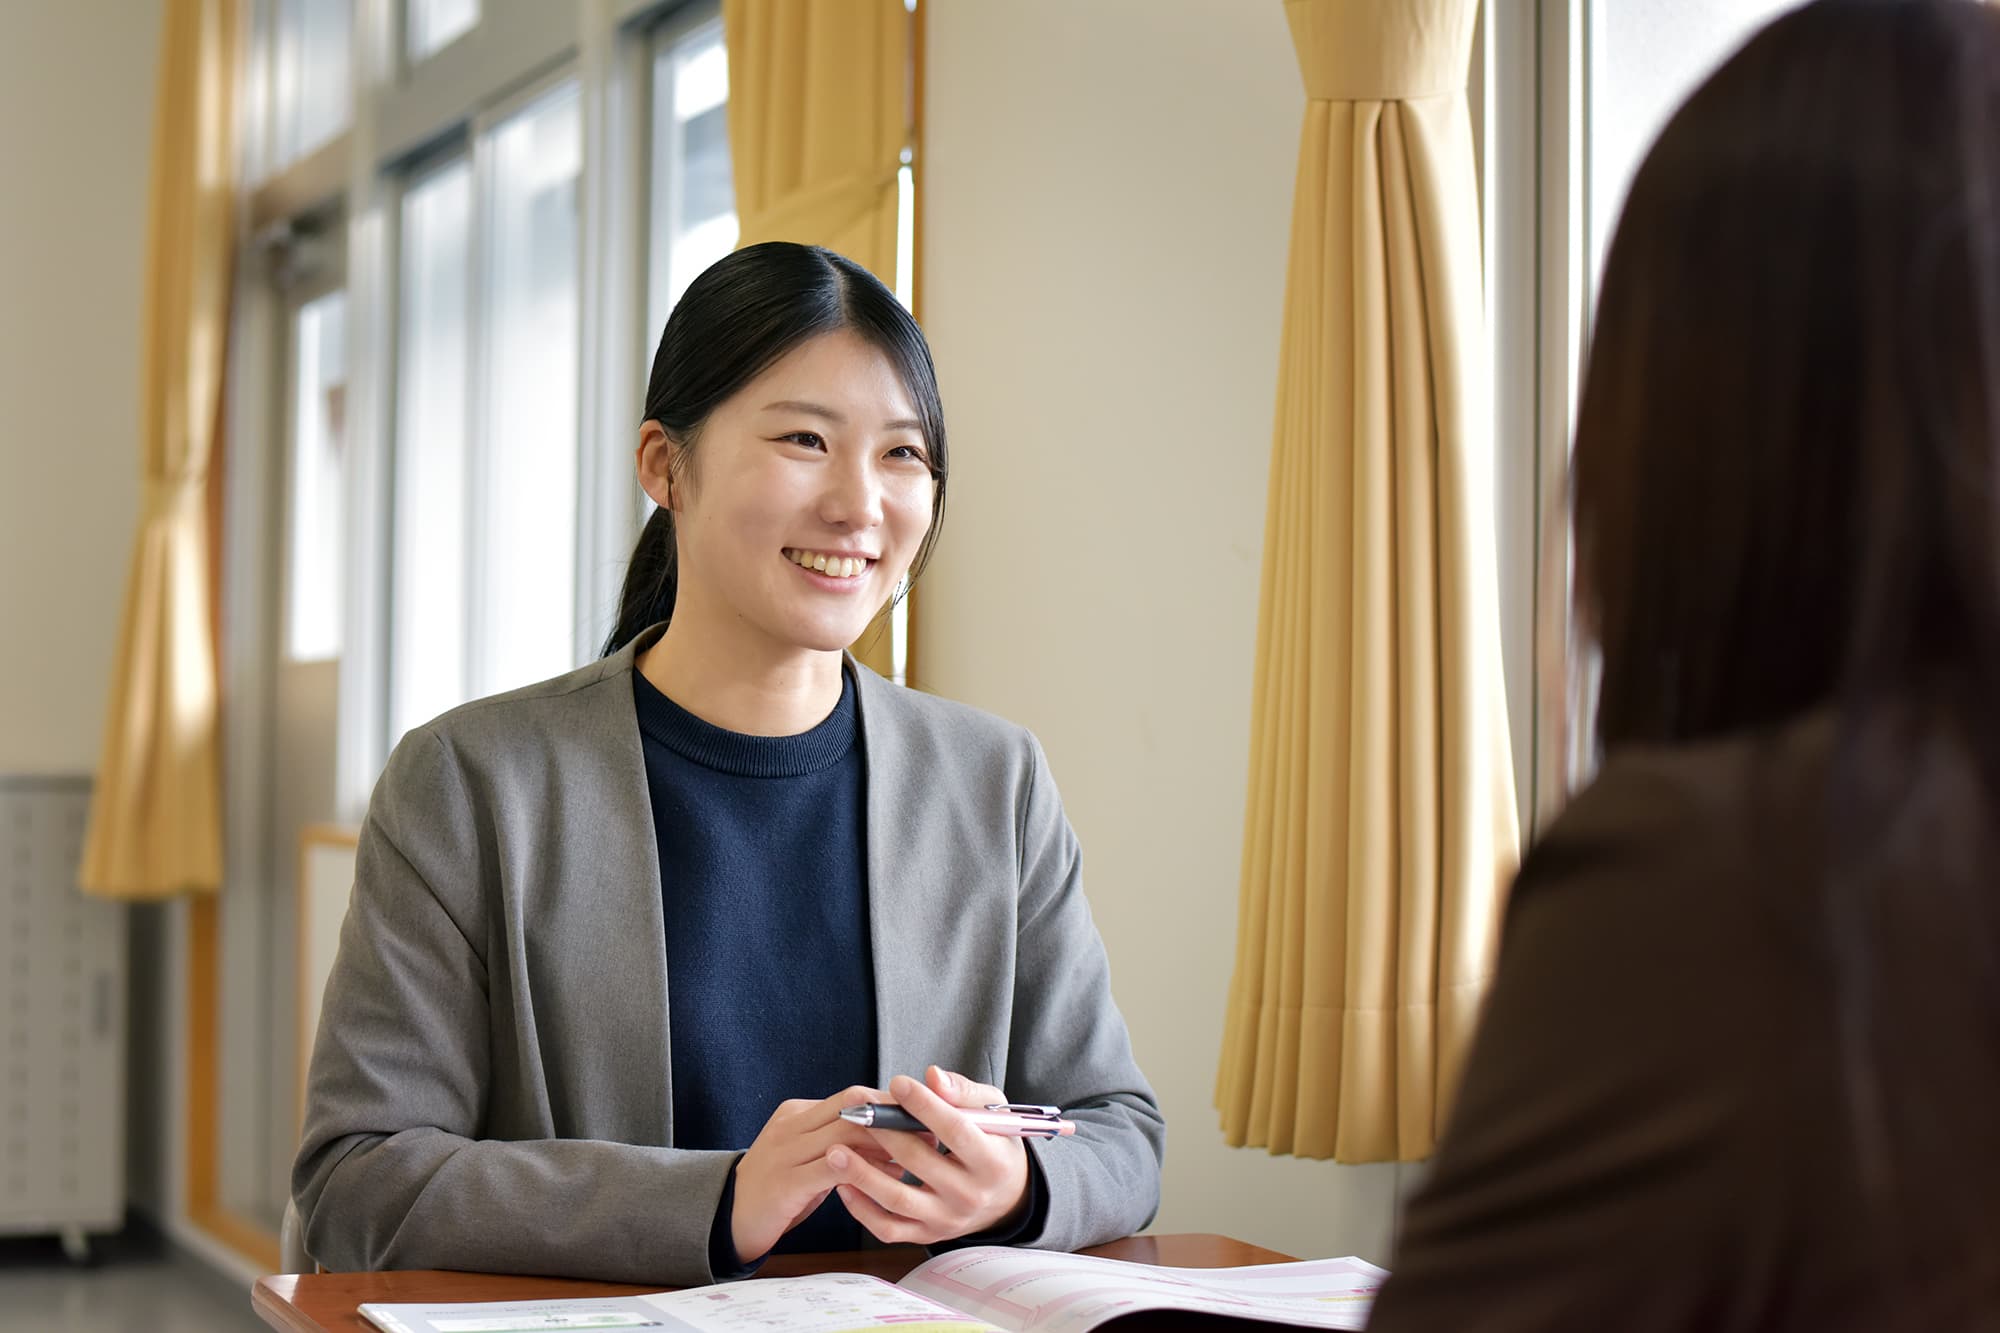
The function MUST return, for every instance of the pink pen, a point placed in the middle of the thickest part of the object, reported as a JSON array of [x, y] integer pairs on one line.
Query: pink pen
[[1015, 1119]]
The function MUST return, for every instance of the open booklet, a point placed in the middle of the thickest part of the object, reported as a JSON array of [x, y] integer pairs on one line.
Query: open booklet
[[983, 1290]]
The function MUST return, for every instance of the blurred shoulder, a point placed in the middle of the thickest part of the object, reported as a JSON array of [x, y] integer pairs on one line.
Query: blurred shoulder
[[1693, 819]]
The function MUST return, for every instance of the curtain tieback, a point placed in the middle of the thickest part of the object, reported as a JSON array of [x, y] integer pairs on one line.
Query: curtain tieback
[[165, 496]]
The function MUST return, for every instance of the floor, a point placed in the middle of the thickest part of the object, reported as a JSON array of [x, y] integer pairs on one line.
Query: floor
[[135, 1282]]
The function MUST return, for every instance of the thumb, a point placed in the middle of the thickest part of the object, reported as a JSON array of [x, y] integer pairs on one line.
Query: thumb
[[960, 1090]]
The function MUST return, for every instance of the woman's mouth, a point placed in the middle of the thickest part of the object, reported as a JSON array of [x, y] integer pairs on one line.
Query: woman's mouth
[[833, 566]]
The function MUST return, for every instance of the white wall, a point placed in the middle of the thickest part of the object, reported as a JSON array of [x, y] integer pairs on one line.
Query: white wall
[[76, 93], [76, 102], [1106, 211]]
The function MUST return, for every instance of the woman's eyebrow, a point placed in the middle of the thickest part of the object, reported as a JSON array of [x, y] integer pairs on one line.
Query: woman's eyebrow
[[828, 414]]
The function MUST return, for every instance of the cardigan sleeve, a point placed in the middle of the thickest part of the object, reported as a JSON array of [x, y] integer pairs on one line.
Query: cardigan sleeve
[[393, 1170], [1068, 1044]]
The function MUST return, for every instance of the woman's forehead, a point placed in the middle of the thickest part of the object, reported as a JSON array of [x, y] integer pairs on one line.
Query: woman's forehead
[[843, 375]]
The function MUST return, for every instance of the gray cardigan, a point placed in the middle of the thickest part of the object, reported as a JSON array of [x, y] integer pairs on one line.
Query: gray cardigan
[[490, 1085]]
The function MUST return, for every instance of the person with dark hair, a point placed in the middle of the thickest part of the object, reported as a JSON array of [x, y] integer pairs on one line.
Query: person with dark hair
[[1740, 1066], [624, 944]]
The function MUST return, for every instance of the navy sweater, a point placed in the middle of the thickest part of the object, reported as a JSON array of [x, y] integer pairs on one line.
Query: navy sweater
[[770, 976]]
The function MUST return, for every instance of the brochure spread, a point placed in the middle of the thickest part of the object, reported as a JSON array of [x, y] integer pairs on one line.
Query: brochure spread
[[984, 1290]]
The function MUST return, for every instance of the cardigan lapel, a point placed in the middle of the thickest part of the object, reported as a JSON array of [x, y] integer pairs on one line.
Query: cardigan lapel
[[894, 894], [916, 1015], [617, 932]]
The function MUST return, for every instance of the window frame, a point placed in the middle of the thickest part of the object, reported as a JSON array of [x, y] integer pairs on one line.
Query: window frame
[[1531, 64]]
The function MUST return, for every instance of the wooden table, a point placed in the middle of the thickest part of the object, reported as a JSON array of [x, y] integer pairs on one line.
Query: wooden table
[[328, 1302]]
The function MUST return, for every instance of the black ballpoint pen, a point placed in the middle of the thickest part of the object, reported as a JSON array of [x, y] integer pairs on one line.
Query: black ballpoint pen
[[1014, 1119]]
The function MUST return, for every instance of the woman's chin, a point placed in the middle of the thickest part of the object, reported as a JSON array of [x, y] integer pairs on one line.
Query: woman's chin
[[830, 638], [832, 630]]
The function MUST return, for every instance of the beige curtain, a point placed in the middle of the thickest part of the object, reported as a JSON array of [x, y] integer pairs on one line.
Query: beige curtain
[[155, 824], [819, 115], [1380, 827]]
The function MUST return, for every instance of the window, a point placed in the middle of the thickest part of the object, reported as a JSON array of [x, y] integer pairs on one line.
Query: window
[[483, 577], [694, 197], [525, 469], [436, 24], [428, 546], [301, 55], [313, 557]]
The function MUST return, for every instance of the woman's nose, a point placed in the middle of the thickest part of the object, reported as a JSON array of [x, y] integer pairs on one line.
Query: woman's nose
[[853, 497]]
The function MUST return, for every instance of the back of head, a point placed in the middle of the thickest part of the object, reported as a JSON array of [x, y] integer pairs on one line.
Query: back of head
[[1786, 484], [1785, 457]]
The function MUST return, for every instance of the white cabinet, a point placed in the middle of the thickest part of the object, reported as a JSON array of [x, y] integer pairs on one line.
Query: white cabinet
[[62, 1023]]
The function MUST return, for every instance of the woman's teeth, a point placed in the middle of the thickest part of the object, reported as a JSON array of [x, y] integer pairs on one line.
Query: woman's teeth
[[837, 567]]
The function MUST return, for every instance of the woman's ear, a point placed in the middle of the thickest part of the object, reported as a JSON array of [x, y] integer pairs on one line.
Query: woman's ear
[[656, 464]]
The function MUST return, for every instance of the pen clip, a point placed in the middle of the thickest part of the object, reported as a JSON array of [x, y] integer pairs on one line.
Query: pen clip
[[1028, 1110]]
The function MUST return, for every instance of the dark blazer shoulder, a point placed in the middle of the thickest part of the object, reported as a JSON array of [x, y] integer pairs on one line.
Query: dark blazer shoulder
[[1692, 820]]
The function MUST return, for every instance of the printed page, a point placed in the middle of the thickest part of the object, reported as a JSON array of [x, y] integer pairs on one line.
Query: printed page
[[831, 1303], [1034, 1292]]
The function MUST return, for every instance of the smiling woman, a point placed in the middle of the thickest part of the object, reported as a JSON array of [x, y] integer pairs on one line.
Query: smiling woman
[[804, 513], [807, 355], [624, 944]]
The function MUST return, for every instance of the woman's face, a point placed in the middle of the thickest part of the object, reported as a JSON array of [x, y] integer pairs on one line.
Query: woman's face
[[805, 499]]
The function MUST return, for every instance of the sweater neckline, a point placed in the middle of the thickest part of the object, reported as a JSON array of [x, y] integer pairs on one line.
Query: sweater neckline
[[733, 752]]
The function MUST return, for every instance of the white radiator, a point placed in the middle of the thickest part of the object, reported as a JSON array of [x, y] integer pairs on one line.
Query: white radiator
[[62, 1028]]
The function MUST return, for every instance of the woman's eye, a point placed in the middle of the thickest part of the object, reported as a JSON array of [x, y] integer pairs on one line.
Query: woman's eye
[[809, 439], [910, 452]]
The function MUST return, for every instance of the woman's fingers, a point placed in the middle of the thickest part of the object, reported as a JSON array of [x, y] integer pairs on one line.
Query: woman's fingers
[[784, 1176], [802, 1131], [961, 1091], [803, 1113], [845, 1133], [982, 1182], [913, 1208], [829, 1108], [812, 1205], [883, 1225], [965, 1180], [856, 1095], [965, 1139]]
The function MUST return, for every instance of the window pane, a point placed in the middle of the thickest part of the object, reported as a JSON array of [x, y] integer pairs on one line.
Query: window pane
[[312, 99], [428, 597], [526, 474], [319, 394], [435, 24], [694, 197]]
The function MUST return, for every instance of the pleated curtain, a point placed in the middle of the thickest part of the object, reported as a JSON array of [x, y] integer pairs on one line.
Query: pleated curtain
[[819, 115], [1380, 828], [155, 824]]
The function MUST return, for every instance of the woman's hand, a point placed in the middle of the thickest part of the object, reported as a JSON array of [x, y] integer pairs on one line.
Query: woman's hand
[[982, 1184], [785, 1174]]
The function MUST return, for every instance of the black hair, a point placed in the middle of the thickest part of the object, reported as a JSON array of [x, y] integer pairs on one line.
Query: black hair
[[734, 322]]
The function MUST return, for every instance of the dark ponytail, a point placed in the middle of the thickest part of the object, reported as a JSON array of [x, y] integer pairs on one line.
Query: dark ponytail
[[647, 597], [740, 316]]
